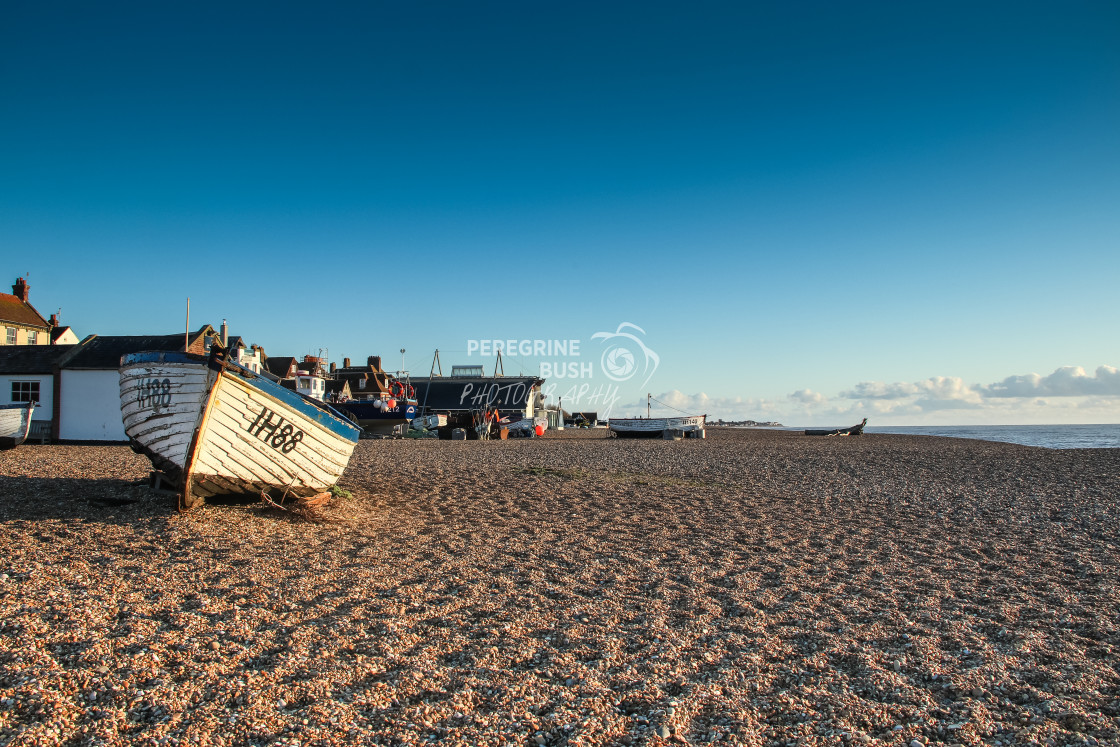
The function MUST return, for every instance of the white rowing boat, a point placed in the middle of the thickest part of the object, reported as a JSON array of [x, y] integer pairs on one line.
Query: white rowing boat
[[216, 428], [653, 427], [15, 423]]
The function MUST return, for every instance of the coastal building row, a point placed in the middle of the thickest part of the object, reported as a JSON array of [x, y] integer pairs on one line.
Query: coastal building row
[[76, 383]]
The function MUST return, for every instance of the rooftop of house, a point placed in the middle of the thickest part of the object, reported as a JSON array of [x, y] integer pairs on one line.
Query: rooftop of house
[[15, 309], [102, 352], [57, 332], [32, 359], [279, 365]]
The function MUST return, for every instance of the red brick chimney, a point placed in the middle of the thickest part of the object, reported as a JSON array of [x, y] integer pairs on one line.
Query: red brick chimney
[[20, 289], [54, 320]]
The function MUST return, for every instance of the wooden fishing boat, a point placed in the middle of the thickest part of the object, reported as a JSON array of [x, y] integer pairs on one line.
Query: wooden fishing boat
[[214, 427], [855, 430], [655, 427], [15, 423]]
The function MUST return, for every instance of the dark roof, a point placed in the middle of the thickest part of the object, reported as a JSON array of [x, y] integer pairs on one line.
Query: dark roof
[[279, 365], [31, 359], [58, 332], [336, 386], [106, 352], [236, 341], [20, 312]]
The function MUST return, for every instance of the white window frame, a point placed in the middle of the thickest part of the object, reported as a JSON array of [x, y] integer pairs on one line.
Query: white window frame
[[32, 337], [12, 336]]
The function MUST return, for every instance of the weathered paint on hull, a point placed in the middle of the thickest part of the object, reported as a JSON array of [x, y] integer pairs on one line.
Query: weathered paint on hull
[[15, 422], [161, 404], [220, 429]]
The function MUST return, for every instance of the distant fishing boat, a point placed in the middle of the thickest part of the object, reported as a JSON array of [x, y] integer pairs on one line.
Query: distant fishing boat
[[691, 426], [654, 427], [216, 428], [855, 430], [379, 402], [15, 422]]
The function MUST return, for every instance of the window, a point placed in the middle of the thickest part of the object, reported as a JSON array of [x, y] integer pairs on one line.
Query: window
[[25, 391], [31, 337], [11, 335]]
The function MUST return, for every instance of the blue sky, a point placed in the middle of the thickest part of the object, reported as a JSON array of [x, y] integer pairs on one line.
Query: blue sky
[[814, 212]]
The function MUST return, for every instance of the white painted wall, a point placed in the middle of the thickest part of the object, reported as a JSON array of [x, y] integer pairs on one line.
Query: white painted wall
[[45, 408], [249, 358], [67, 338], [91, 406]]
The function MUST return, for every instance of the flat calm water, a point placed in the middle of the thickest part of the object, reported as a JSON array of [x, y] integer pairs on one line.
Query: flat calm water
[[1047, 436]]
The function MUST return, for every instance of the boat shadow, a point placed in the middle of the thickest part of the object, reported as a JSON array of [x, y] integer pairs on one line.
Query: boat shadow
[[111, 501], [105, 500]]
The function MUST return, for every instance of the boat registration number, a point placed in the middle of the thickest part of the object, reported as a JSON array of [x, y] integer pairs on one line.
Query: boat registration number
[[271, 428], [154, 393]]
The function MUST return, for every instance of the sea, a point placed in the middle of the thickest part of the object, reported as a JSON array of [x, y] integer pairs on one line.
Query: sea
[[1046, 436]]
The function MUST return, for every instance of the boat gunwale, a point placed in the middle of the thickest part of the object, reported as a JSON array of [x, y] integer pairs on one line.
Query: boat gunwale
[[313, 410]]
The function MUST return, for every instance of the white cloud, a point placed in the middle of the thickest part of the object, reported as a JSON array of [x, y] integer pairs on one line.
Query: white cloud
[[1067, 381], [1066, 395], [808, 396], [880, 390], [728, 408], [933, 389]]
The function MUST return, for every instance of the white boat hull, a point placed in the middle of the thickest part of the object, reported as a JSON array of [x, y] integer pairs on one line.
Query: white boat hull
[[161, 405], [653, 426], [15, 423], [219, 429], [252, 442]]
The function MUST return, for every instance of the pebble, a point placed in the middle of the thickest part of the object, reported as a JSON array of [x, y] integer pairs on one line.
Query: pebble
[[461, 598]]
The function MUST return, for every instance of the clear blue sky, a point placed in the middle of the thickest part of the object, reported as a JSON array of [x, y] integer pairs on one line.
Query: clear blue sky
[[814, 211]]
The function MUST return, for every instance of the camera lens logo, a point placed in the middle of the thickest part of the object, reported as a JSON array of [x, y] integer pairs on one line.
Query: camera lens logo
[[625, 355], [619, 363]]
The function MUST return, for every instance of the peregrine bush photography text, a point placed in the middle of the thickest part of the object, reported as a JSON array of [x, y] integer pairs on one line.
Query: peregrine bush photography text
[[595, 373]]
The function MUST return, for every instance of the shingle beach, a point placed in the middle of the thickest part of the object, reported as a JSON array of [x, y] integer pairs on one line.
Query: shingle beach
[[756, 587]]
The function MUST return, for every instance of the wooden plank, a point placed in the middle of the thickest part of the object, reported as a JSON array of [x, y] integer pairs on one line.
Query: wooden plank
[[229, 451], [221, 456]]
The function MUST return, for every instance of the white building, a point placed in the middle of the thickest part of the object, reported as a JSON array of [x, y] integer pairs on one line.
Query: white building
[[89, 386], [27, 374]]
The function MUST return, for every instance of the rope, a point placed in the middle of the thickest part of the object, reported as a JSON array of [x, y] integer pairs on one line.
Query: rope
[[669, 406]]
